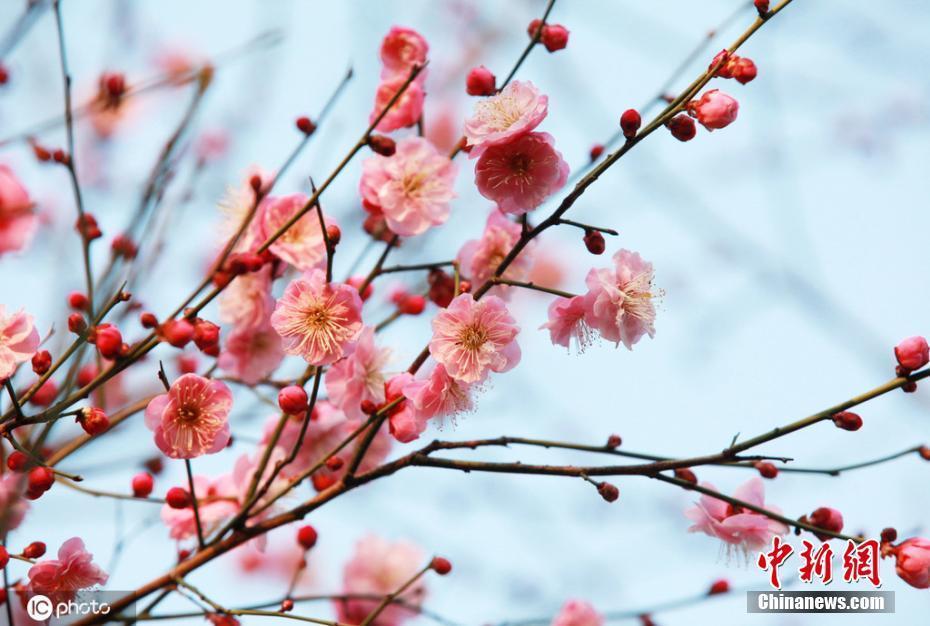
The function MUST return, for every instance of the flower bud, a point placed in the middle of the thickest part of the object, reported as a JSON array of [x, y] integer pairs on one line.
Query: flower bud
[[889, 535], [305, 125], [287, 605], [718, 587], [46, 394], [828, 519], [124, 246], [630, 122], [4, 557], [333, 234], [714, 109], [76, 323], [686, 474], [178, 333], [440, 565], [554, 37], [762, 6], [383, 145], [596, 151], [614, 441], [924, 452], [609, 492], [682, 127], [594, 241], [766, 469], [41, 362], [912, 353], [142, 485], [742, 69], [93, 420], [480, 82], [86, 226], [178, 498], [206, 335], [412, 304], [293, 400], [35, 550], [41, 478], [847, 420], [148, 320], [912, 562], [77, 301], [108, 340], [17, 461], [306, 536]]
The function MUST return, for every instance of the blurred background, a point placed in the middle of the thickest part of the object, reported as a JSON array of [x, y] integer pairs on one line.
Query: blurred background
[[791, 246]]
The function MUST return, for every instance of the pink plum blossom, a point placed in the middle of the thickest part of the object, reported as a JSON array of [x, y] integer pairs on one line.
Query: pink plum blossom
[[578, 613], [401, 49], [247, 300], [471, 338], [439, 395], [405, 423], [621, 299], [480, 258], [568, 322], [412, 188], [714, 109], [217, 502], [516, 110], [302, 245], [745, 529], [191, 419], [318, 320], [912, 353], [358, 377], [404, 112], [72, 571], [912, 562], [13, 506], [251, 353], [379, 567], [18, 222], [19, 340], [520, 174], [235, 206]]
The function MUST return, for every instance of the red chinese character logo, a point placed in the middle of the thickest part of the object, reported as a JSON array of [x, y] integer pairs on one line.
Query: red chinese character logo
[[773, 560], [817, 563], [861, 562]]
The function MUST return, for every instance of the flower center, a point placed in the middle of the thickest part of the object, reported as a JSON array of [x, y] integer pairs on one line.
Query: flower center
[[472, 337], [187, 413], [520, 164]]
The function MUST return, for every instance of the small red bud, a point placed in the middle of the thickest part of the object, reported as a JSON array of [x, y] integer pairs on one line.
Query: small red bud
[[596, 151], [594, 241], [321, 482], [412, 304], [76, 323], [305, 125], [4, 557], [41, 362], [87, 227], [206, 335], [828, 519], [924, 452], [889, 535], [34, 550], [554, 37], [108, 340], [77, 301], [630, 122], [178, 333], [148, 320], [142, 485], [480, 82], [255, 182], [682, 127], [59, 156], [380, 144], [306, 536], [41, 478], [534, 28], [464, 286], [46, 394], [293, 400], [93, 420], [124, 246], [614, 441], [178, 498], [686, 474], [4, 79], [333, 234], [718, 587], [766, 469], [41, 154], [368, 407], [847, 420], [287, 605], [356, 281], [762, 6], [441, 565], [17, 461], [187, 363], [609, 492], [334, 463]]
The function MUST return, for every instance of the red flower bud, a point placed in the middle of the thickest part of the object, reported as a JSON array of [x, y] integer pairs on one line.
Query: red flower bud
[[93, 420], [356, 281], [17, 461], [766, 469], [76, 323], [828, 519], [682, 127], [178, 498], [206, 335], [77, 301], [334, 463], [148, 320], [889, 535], [614, 441], [34, 550], [305, 125], [41, 478], [534, 28], [41, 362], [440, 565], [255, 182], [480, 82], [554, 37], [762, 6], [86, 226], [124, 246], [4, 557], [594, 241], [380, 144], [685, 474], [412, 304], [847, 420], [306, 536], [293, 400], [912, 353], [596, 151], [287, 605], [46, 394], [333, 234], [108, 340], [608, 491], [630, 122], [178, 333], [924, 452], [718, 587], [142, 485]]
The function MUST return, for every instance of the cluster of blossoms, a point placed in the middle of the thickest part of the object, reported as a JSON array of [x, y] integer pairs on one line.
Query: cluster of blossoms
[[278, 300]]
